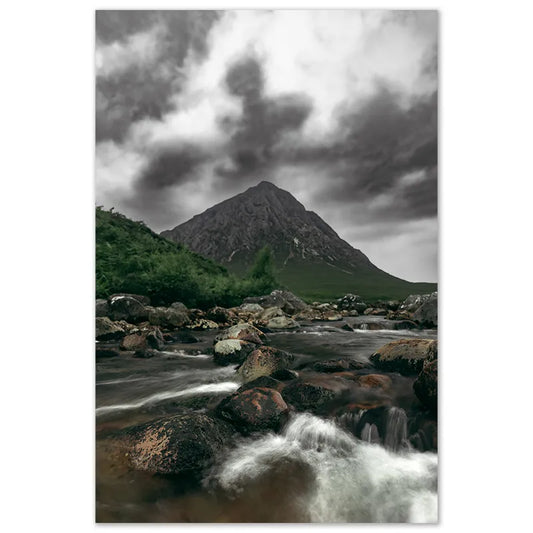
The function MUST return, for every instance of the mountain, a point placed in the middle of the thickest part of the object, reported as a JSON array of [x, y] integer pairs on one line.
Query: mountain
[[311, 259]]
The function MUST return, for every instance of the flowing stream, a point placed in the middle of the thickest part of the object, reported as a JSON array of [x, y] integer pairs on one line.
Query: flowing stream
[[349, 468]]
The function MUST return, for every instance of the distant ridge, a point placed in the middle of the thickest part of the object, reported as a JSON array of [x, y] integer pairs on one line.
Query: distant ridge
[[312, 260]]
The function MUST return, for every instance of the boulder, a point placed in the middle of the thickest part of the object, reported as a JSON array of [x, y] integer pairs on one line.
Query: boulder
[[406, 356], [182, 337], [168, 317], [255, 409], [101, 308], [178, 444], [106, 329], [264, 381], [264, 361], [426, 385], [284, 374], [178, 306], [133, 342], [286, 300], [314, 394], [414, 301], [243, 332], [346, 327], [155, 339], [374, 381], [145, 300], [127, 307], [405, 324], [202, 324], [332, 316], [427, 314], [282, 322], [375, 311], [232, 351], [221, 315], [270, 313], [251, 308]]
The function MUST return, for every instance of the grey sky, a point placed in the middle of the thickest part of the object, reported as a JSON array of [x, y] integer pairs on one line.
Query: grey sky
[[337, 107]]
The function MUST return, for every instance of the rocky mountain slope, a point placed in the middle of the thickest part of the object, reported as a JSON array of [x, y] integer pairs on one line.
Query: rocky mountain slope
[[312, 260]]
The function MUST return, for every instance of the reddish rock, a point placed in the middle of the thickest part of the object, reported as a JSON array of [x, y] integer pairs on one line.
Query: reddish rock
[[255, 409]]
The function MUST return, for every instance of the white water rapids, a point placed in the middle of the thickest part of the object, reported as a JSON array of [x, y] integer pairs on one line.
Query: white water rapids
[[354, 481]]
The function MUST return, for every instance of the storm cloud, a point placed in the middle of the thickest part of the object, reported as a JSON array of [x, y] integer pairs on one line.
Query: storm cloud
[[337, 107]]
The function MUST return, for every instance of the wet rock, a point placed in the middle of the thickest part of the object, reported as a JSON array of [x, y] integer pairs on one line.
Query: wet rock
[[243, 332], [106, 329], [426, 385], [264, 381], [177, 444], [155, 339], [256, 409], [286, 300], [101, 308], [183, 337], [427, 314], [405, 324], [282, 322], [144, 300], [351, 302], [168, 317], [264, 361], [337, 365], [314, 394], [284, 374], [374, 381], [332, 316], [406, 356], [221, 315], [203, 324], [386, 425], [178, 306], [232, 351], [346, 327], [128, 307]]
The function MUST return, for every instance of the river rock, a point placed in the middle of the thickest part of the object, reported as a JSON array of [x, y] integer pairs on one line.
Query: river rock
[[178, 306], [256, 409], [314, 394], [133, 342], [406, 356], [374, 381], [106, 329], [101, 308], [427, 314], [286, 300], [351, 302], [282, 322], [203, 324], [375, 311], [337, 365], [155, 339], [168, 317], [145, 353], [243, 332], [232, 351], [263, 381], [264, 361], [145, 300], [426, 385], [221, 315], [285, 374], [127, 307], [270, 313], [178, 444], [251, 308], [414, 301]]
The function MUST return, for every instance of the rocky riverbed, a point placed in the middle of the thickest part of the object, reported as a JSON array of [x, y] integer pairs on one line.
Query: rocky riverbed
[[274, 411]]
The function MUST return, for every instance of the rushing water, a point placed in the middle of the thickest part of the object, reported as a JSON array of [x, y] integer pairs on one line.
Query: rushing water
[[348, 469]]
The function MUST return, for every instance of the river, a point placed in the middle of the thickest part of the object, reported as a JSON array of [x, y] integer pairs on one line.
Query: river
[[315, 470]]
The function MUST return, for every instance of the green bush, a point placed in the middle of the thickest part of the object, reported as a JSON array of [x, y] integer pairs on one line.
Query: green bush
[[132, 258]]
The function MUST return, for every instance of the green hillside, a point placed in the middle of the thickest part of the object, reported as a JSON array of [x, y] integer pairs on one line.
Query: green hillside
[[131, 258]]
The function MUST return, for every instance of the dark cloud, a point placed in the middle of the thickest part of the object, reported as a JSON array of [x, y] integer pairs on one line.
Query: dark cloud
[[254, 136], [170, 167], [145, 90]]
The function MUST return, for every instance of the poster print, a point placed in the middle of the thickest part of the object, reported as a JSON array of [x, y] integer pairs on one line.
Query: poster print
[[266, 266]]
